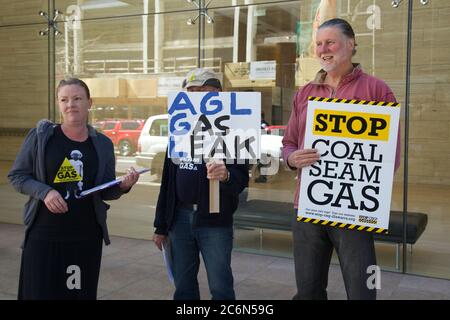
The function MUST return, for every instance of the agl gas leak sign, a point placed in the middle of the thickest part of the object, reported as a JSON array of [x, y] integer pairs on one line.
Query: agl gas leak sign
[[208, 125]]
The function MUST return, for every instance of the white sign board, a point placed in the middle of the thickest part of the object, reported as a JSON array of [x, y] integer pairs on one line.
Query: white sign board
[[168, 84], [219, 125], [351, 185], [263, 70]]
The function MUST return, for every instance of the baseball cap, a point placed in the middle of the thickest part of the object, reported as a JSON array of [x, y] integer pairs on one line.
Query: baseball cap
[[201, 77]]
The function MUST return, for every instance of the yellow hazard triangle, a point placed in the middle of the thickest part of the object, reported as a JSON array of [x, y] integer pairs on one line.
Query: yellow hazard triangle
[[67, 173]]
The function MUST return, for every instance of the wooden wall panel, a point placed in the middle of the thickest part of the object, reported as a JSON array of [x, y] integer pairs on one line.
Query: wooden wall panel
[[24, 77], [21, 11]]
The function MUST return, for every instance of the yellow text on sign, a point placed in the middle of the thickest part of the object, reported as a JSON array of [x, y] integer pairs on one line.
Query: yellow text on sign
[[357, 125]]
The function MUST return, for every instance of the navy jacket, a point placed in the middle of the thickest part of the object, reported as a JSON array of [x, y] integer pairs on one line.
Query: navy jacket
[[229, 198]]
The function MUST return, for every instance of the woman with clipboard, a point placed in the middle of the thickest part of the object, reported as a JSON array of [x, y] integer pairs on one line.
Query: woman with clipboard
[[64, 231]]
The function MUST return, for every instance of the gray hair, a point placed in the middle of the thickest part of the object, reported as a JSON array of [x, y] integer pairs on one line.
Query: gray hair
[[343, 26]]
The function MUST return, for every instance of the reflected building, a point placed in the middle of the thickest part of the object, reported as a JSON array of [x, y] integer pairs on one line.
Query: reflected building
[[131, 53]]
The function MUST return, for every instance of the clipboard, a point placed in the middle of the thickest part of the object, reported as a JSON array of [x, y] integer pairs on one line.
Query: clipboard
[[107, 185], [167, 254]]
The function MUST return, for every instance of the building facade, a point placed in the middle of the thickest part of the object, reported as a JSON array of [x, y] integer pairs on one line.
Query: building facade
[[132, 52]]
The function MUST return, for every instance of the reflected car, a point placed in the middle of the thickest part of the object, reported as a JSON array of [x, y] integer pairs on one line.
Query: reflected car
[[271, 138], [123, 133], [275, 130], [271, 150], [152, 144]]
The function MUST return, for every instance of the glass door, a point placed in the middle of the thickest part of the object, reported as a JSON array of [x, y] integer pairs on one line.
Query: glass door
[[429, 141], [131, 54], [280, 34]]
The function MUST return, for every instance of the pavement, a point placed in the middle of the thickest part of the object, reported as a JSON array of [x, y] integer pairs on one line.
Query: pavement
[[134, 269]]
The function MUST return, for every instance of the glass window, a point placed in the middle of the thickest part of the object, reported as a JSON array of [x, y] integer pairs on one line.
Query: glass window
[[127, 125], [109, 126], [429, 143], [129, 64], [159, 128], [24, 96], [94, 9], [281, 36], [14, 13], [131, 58]]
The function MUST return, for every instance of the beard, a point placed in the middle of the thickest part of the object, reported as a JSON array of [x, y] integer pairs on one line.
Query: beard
[[327, 67]]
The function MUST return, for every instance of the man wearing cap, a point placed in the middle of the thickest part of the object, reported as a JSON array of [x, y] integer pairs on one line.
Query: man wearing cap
[[182, 213]]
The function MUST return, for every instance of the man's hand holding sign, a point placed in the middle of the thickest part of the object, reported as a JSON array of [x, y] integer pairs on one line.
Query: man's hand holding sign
[[216, 172], [303, 158]]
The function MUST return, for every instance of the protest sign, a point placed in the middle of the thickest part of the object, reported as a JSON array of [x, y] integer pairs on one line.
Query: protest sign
[[214, 125], [350, 186]]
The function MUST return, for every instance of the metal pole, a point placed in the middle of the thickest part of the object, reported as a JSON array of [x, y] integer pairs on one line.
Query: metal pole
[[236, 32], [203, 23], [373, 41], [199, 55], [251, 30], [66, 46], [51, 63], [145, 38], [405, 165], [158, 36], [49, 89]]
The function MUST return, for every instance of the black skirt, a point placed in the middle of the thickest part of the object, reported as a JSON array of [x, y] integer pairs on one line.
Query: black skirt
[[59, 267]]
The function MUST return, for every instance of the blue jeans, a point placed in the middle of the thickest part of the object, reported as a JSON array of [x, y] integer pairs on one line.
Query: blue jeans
[[214, 244], [313, 248]]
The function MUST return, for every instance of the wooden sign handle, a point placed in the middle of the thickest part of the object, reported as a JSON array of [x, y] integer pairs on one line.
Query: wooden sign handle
[[214, 196]]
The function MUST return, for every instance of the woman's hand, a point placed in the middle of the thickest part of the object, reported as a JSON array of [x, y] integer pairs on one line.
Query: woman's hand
[[303, 158], [129, 180], [55, 203], [159, 239]]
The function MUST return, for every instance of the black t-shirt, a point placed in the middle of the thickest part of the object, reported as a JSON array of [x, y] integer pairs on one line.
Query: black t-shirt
[[70, 168], [188, 176]]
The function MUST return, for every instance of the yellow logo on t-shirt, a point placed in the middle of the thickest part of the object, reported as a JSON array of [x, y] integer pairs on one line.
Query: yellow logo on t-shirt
[[67, 173]]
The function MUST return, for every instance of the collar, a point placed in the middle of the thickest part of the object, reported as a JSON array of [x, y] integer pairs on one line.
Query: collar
[[320, 76], [44, 124], [91, 131]]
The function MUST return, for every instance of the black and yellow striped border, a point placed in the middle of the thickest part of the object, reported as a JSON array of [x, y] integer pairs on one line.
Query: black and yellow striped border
[[342, 225], [363, 102]]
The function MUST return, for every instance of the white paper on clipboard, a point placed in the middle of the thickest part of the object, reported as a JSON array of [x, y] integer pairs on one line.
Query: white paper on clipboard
[[167, 254], [107, 185]]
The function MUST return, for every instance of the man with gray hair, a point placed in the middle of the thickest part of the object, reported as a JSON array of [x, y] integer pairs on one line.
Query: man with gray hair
[[314, 243]]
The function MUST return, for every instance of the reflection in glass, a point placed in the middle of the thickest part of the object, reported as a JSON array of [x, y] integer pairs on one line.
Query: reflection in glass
[[131, 58]]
